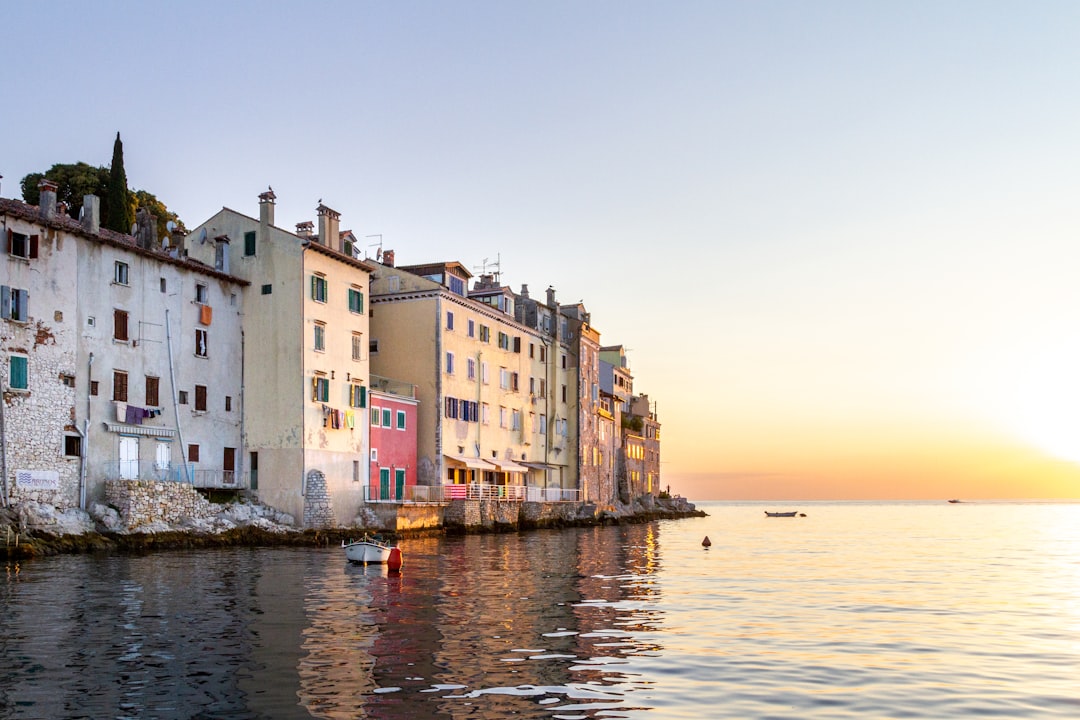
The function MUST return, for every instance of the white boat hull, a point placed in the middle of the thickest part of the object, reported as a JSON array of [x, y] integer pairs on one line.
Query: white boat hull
[[369, 552]]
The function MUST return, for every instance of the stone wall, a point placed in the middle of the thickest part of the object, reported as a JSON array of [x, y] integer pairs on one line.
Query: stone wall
[[462, 514], [318, 512], [538, 513], [142, 502]]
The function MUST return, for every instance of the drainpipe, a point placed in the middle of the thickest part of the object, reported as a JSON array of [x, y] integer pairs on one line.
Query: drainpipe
[[176, 399], [85, 433], [3, 447]]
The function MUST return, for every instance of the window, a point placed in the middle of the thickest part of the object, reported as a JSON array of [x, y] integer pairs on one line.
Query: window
[[320, 389], [72, 446], [471, 363], [485, 334], [564, 393], [373, 347], [356, 300], [449, 363], [400, 420], [472, 328], [517, 345], [449, 320], [532, 385], [202, 294], [386, 417], [543, 387], [484, 373], [504, 341], [376, 413], [356, 471], [193, 453], [14, 303], [543, 424], [514, 381], [267, 289], [120, 273], [152, 391], [19, 374], [182, 397], [543, 354], [502, 416], [485, 413], [357, 345], [119, 386], [357, 396], [318, 288], [515, 423], [23, 246], [162, 285], [67, 380], [120, 325], [249, 243], [504, 379], [451, 409], [228, 403], [320, 336], [200, 398], [94, 387], [532, 351], [201, 337]]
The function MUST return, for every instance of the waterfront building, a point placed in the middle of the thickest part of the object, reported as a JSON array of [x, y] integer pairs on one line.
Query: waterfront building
[[393, 441], [116, 349], [305, 358], [644, 412], [478, 374]]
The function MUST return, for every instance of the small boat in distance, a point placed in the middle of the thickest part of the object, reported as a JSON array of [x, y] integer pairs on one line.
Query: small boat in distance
[[780, 514], [369, 550], [954, 501]]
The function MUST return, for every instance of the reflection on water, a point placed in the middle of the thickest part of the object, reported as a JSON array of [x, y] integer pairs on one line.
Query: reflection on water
[[854, 611]]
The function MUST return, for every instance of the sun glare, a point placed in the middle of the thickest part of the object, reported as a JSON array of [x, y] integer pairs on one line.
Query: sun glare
[[1045, 410]]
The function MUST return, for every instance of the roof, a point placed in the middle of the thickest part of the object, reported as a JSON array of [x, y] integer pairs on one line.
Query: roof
[[431, 268], [32, 214]]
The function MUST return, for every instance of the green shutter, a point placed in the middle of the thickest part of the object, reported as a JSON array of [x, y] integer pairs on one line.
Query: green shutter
[[363, 396], [249, 243], [19, 379]]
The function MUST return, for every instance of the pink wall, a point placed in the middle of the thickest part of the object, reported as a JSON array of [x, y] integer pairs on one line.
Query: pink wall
[[395, 447]]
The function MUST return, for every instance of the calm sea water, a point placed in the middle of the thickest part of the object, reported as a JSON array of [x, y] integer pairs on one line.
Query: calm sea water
[[856, 610]]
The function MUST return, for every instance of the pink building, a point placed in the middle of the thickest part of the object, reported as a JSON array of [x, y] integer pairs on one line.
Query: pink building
[[393, 440]]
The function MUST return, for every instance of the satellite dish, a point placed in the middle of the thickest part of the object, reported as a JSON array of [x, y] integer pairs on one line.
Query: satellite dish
[[170, 226]]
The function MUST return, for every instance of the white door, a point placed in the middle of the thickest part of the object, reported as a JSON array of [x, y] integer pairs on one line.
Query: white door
[[162, 459], [129, 458]]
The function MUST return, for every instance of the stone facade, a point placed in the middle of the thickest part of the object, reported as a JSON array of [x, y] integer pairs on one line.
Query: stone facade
[[143, 502], [318, 510]]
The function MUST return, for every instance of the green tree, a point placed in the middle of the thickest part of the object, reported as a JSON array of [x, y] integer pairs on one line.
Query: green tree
[[117, 213], [73, 182], [162, 214]]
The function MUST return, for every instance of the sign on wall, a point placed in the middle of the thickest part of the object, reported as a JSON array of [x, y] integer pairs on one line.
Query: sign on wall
[[37, 479]]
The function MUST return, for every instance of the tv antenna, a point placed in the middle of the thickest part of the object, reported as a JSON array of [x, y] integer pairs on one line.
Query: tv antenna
[[378, 253], [486, 263]]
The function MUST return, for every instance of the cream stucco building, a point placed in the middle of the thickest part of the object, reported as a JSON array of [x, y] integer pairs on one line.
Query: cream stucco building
[[305, 358]]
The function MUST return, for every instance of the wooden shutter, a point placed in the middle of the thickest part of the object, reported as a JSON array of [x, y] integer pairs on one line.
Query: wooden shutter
[[33, 246], [5, 300]]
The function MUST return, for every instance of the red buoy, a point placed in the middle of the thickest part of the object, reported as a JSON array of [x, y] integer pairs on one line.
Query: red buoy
[[395, 561], [706, 542]]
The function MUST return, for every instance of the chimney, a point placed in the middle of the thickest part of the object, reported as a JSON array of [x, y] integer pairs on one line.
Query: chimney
[[388, 258], [91, 214], [524, 291], [47, 203], [304, 229], [266, 209], [551, 296], [329, 222], [221, 253]]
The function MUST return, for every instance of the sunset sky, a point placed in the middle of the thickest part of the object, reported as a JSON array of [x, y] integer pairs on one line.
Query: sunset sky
[[840, 239]]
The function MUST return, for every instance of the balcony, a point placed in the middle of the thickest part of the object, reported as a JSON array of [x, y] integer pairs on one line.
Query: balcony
[[205, 478]]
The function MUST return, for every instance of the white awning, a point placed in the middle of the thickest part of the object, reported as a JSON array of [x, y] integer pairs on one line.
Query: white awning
[[469, 462], [541, 466], [508, 466], [147, 430]]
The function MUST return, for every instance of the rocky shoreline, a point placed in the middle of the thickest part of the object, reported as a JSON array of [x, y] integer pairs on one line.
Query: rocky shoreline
[[34, 530]]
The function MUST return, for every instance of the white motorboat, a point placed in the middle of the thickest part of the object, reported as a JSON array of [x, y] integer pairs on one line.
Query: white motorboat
[[368, 550]]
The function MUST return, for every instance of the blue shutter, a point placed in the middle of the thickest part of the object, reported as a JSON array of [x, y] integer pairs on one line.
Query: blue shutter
[[5, 300], [23, 305], [19, 379]]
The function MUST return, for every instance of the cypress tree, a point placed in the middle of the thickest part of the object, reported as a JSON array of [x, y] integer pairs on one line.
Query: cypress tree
[[118, 213]]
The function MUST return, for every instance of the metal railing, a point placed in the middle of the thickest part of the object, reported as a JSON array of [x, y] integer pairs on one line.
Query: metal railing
[[539, 494], [151, 470]]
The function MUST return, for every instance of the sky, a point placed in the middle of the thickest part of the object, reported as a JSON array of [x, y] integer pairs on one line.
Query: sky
[[839, 239]]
